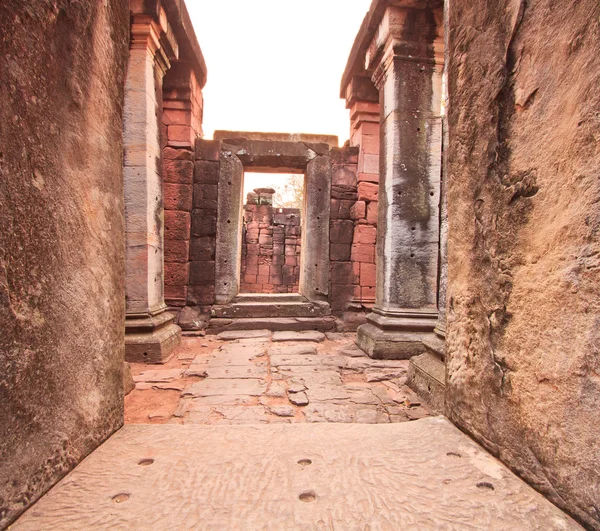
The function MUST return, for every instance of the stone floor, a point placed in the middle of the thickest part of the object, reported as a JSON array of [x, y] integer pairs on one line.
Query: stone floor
[[260, 377], [418, 475]]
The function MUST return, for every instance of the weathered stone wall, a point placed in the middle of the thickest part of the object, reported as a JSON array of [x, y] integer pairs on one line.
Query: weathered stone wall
[[524, 254], [61, 238], [271, 246]]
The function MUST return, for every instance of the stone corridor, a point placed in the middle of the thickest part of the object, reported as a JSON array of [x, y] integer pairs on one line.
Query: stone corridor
[[263, 377]]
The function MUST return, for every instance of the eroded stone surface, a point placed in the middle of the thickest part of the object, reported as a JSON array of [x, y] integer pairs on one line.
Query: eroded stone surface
[[307, 335], [418, 475]]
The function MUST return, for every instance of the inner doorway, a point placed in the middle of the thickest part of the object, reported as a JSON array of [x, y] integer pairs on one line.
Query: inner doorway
[[272, 221]]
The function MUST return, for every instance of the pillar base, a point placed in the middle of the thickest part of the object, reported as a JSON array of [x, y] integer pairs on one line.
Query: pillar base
[[395, 335], [151, 339]]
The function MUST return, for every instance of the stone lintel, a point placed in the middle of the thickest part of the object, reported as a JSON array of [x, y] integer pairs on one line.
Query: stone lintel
[[233, 136]]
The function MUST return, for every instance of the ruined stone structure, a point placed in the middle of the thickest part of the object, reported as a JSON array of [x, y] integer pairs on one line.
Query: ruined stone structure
[[271, 245], [457, 232]]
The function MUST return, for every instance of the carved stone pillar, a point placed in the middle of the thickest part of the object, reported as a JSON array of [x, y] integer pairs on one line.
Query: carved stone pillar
[[406, 57], [150, 331]]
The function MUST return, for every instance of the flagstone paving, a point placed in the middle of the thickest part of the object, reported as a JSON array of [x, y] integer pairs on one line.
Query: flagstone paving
[[262, 378]]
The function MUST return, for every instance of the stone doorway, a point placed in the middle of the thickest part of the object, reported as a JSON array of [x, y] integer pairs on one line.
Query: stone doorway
[[272, 233]]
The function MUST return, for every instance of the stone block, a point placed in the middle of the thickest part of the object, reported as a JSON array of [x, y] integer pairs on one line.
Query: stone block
[[178, 171], [176, 250], [206, 172], [176, 295], [340, 296], [176, 274], [340, 251], [202, 273], [177, 196], [363, 253], [342, 273], [202, 294], [372, 212], [365, 234], [370, 144], [368, 177], [206, 195], [344, 155], [202, 248], [204, 222], [170, 153], [342, 175], [341, 231], [368, 191], [358, 210], [367, 274], [209, 150], [177, 225], [368, 163]]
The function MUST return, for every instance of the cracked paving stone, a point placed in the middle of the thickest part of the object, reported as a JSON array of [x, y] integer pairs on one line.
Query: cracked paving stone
[[298, 399], [306, 335], [296, 385], [293, 350], [276, 390], [294, 360], [335, 361], [196, 372], [214, 387], [321, 393], [282, 411], [353, 351], [158, 376], [221, 400], [378, 375], [328, 413], [232, 335], [234, 371]]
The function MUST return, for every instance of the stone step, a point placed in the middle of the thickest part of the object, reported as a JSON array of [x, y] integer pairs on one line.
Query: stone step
[[275, 298], [322, 324], [271, 309], [427, 377]]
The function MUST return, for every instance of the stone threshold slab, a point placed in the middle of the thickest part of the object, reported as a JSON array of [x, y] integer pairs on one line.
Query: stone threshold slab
[[424, 474]]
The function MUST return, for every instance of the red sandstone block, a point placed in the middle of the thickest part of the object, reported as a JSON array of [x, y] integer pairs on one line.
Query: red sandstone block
[[252, 261], [278, 259], [369, 128], [177, 225], [372, 213], [341, 231], [358, 210], [252, 270], [368, 293], [262, 279], [263, 270], [339, 251], [177, 196], [178, 171], [368, 163], [368, 177], [181, 133], [365, 234], [291, 260], [367, 274], [176, 274], [341, 295], [369, 107], [250, 279], [175, 295], [368, 191], [363, 253], [176, 117], [204, 222], [370, 144], [176, 250], [343, 176], [170, 153]]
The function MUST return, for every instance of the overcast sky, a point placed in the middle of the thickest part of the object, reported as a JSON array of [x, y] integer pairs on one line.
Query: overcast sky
[[276, 65]]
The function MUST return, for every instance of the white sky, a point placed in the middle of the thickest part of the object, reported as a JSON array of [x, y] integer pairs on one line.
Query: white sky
[[276, 65]]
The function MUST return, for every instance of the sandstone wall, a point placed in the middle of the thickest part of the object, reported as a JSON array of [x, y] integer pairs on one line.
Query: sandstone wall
[[61, 238], [524, 249], [271, 245]]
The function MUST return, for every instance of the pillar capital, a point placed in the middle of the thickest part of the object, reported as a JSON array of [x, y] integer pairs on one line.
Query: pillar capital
[[153, 34], [405, 34]]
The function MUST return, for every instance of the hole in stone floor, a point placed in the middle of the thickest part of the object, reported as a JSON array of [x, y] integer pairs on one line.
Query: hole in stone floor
[[304, 462], [146, 462], [447, 481], [453, 454], [308, 496], [120, 498], [484, 485]]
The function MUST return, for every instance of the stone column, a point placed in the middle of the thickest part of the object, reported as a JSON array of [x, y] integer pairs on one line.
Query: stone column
[[406, 57], [150, 331]]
